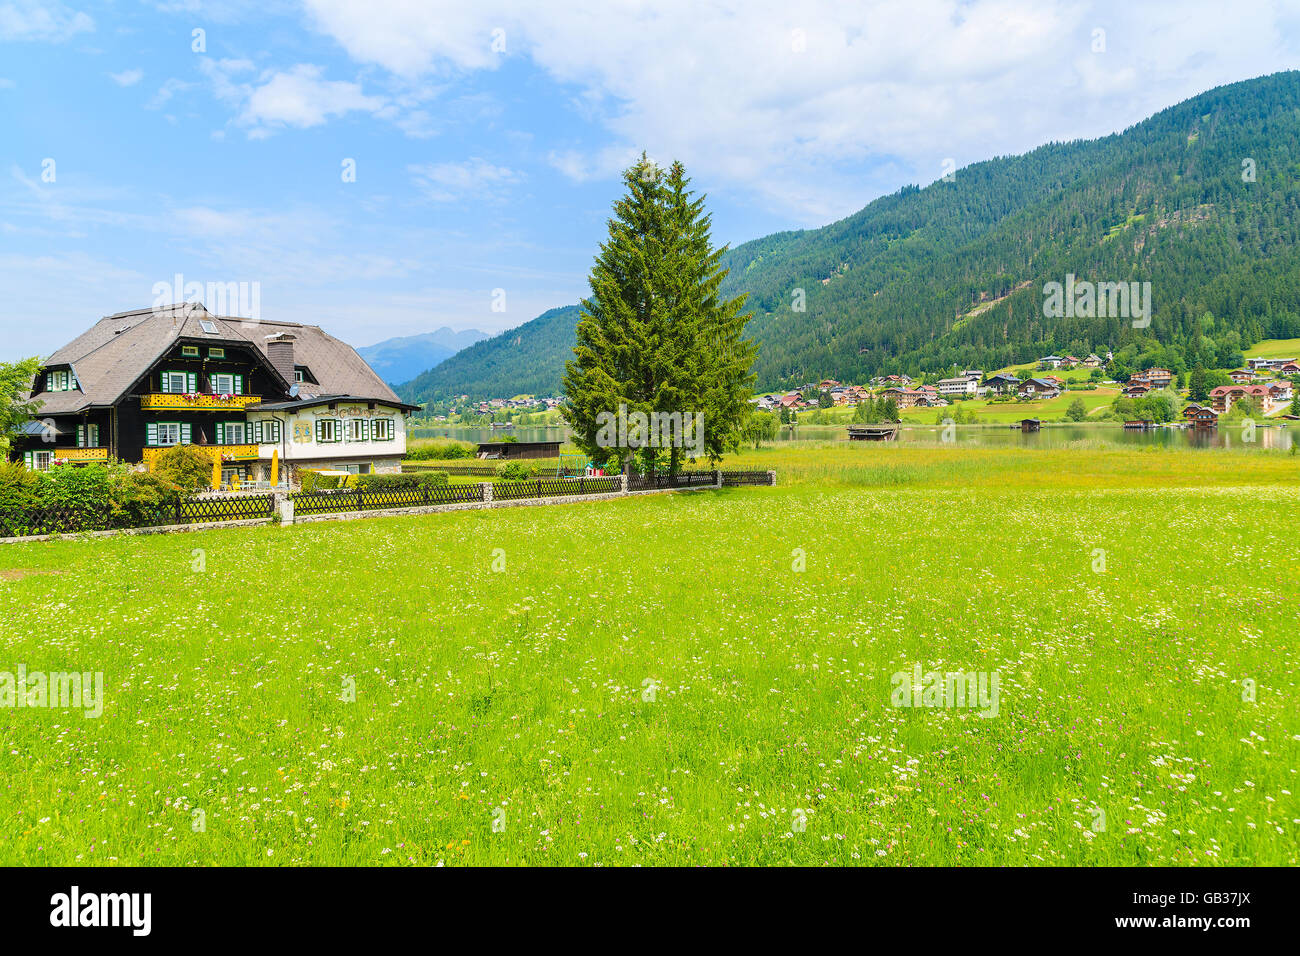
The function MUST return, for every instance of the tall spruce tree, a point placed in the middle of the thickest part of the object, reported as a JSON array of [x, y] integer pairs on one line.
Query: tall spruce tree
[[655, 336]]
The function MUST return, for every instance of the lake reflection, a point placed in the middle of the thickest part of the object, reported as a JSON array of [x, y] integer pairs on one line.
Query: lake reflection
[[1271, 436]]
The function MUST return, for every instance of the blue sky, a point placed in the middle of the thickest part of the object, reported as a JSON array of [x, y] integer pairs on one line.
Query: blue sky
[[488, 137]]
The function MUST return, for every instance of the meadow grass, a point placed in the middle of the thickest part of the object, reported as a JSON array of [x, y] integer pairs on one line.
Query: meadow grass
[[1274, 348], [652, 680]]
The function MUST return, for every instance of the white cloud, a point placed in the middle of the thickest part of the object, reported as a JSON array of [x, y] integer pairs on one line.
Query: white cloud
[[127, 77], [791, 99], [300, 97], [34, 20], [474, 179], [170, 88]]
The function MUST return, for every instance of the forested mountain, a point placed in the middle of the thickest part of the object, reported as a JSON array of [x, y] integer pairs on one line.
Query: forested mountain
[[1202, 200], [528, 360], [401, 359]]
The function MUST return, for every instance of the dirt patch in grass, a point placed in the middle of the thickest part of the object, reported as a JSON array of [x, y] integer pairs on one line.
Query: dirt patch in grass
[[17, 574]]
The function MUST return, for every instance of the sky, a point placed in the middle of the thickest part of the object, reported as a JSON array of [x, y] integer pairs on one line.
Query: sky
[[388, 167]]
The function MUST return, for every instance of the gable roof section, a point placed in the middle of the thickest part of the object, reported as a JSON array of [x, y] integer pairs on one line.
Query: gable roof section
[[110, 357]]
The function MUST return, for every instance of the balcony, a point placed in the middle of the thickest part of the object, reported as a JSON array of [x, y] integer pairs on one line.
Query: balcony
[[228, 452], [80, 455], [196, 401]]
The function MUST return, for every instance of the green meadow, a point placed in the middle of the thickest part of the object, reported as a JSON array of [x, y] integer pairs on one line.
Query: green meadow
[[699, 678]]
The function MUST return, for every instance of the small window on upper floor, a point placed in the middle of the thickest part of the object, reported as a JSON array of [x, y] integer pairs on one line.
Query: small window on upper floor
[[208, 326], [216, 353], [190, 351]]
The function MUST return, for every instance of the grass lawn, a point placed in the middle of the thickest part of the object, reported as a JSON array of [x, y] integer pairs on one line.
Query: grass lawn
[[652, 680], [1275, 348]]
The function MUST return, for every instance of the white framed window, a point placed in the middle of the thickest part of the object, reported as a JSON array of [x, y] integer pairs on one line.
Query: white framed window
[[87, 436], [41, 460], [169, 433], [329, 430], [265, 432], [382, 429], [298, 375], [358, 429], [362, 469], [232, 433], [175, 382], [209, 327], [222, 384], [59, 381]]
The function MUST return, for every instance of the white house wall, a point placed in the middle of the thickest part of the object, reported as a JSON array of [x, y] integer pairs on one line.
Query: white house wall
[[298, 435]]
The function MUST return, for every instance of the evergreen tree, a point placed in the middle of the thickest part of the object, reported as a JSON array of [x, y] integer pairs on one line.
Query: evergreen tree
[[1197, 388], [655, 335]]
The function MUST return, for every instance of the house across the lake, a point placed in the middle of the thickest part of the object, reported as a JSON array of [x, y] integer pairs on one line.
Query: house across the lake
[[1224, 396], [1202, 416], [1002, 382], [1038, 388], [139, 382]]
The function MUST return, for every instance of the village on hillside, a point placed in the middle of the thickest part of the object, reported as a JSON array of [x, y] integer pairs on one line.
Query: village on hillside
[[1265, 386]]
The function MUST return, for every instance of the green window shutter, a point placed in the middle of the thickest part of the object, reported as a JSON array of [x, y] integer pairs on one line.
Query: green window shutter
[[81, 436], [185, 433], [151, 433], [27, 460], [239, 385], [193, 379], [221, 433], [320, 430], [365, 429], [163, 384]]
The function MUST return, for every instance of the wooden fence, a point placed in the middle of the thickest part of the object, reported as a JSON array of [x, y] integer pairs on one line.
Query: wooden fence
[[65, 519], [70, 519]]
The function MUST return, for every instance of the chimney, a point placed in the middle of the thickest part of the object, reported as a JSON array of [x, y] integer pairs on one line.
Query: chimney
[[279, 348]]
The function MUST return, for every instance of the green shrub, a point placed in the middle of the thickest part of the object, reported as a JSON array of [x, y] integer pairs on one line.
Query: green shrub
[[84, 493], [398, 482], [19, 488], [315, 481], [189, 467], [440, 449], [143, 499], [514, 471]]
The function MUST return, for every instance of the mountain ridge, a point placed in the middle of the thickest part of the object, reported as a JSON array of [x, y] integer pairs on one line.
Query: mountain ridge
[[403, 357], [895, 286]]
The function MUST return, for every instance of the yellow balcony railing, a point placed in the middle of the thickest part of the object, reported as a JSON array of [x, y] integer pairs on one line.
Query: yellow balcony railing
[[228, 452], [81, 454], [201, 401]]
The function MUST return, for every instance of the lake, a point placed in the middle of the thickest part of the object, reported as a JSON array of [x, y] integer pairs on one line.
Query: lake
[[1272, 436]]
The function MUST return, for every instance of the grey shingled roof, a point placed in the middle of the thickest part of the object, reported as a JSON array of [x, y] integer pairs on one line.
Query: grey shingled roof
[[112, 355]]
